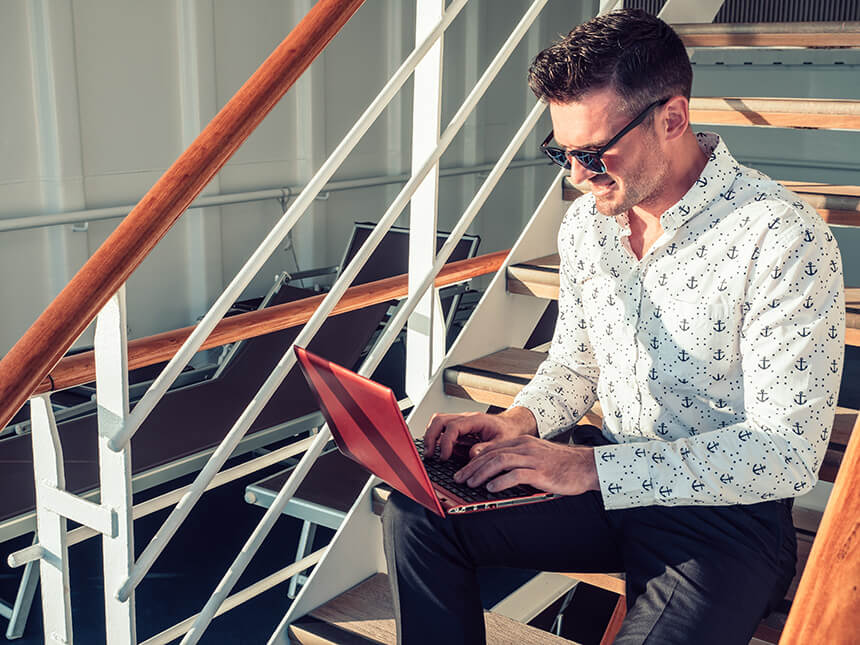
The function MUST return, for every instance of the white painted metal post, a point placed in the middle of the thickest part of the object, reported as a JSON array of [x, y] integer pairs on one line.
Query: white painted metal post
[[425, 335], [111, 358], [677, 11], [50, 525]]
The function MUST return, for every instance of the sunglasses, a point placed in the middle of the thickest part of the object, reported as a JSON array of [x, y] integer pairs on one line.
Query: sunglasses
[[593, 159]]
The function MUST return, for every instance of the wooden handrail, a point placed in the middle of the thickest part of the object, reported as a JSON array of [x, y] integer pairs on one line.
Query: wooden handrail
[[824, 114], [47, 339], [80, 368], [827, 602]]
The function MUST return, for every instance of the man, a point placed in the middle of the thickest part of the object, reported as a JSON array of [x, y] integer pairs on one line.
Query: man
[[702, 304]]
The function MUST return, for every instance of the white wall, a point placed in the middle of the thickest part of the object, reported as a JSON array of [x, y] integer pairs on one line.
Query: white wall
[[100, 97]]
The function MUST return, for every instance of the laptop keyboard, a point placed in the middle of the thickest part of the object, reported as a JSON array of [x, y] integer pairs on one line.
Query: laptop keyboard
[[442, 473]]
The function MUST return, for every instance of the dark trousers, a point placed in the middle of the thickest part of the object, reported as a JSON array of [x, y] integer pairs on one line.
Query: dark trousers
[[694, 574]]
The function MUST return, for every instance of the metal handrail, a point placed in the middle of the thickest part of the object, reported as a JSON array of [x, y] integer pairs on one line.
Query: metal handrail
[[69, 314], [180, 512], [278, 233]]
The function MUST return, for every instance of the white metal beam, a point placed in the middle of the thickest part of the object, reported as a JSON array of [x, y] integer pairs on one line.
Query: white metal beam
[[425, 334], [676, 11]]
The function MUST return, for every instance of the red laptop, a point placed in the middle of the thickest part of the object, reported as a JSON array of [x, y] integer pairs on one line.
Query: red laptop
[[368, 427]]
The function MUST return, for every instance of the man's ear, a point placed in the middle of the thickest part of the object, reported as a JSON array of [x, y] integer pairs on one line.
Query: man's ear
[[675, 118]]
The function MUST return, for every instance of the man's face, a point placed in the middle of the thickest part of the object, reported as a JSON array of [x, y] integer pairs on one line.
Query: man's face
[[636, 168]]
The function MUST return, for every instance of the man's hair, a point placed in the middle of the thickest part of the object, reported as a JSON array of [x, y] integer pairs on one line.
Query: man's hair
[[631, 51]]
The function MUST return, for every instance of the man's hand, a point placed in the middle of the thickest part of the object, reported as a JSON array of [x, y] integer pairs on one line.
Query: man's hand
[[446, 429], [552, 467]]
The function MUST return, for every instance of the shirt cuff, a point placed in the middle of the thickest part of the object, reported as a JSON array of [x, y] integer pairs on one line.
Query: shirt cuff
[[624, 475]]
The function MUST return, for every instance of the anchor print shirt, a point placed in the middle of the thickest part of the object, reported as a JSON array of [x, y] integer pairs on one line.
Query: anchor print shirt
[[716, 358]]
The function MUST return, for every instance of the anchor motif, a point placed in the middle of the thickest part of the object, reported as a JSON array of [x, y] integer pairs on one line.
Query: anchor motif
[[830, 401], [712, 446], [719, 326], [662, 430], [683, 381], [745, 221], [721, 404], [639, 452], [687, 402], [798, 486], [773, 304], [726, 478], [745, 308], [657, 312], [657, 458], [764, 363], [766, 331], [804, 332], [800, 398], [662, 281], [614, 488], [744, 435], [685, 325], [801, 365], [773, 224], [755, 253], [832, 331], [685, 451], [618, 414], [655, 344], [607, 456], [833, 266], [701, 182], [760, 196], [828, 237], [647, 484], [767, 495], [697, 486], [834, 367], [808, 303], [796, 428], [719, 355], [732, 253], [610, 300], [583, 347], [581, 265], [798, 205], [692, 283], [758, 469], [673, 247], [653, 374], [582, 324], [718, 377], [729, 195], [683, 356], [701, 251], [810, 269], [808, 236], [614, 272], [762, 396], [602, 241], [723, 286], [665, 491], [777, 272], [684, 209]]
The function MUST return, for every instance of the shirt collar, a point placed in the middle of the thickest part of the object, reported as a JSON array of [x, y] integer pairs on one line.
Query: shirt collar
[[714, 181]]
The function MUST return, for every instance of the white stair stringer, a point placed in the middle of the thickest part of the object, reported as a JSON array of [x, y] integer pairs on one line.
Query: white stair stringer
[[500, 320], [354, 554]]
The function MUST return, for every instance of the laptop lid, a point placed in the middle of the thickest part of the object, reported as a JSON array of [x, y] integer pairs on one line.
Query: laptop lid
[[368, 427]]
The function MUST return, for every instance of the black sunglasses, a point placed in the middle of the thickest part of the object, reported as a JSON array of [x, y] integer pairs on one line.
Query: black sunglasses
[[592, 159]]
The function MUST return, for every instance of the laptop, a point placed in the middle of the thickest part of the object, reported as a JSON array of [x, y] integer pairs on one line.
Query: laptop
[[368, 427]]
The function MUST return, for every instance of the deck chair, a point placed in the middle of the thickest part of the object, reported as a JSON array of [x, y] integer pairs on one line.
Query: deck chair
[[334, 481], [190, 421]]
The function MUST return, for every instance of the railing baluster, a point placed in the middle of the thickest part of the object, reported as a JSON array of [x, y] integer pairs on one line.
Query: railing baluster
[[50, 525], [111, 356]]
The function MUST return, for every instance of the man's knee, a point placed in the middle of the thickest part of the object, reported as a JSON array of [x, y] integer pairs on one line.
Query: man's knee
[[404, 517]]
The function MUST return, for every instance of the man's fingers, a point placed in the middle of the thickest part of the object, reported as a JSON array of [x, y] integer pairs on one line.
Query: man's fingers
[[434, 429], [511, 478], [490, 464]]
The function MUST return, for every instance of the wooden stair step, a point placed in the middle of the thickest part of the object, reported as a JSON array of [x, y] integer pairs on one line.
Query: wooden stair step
[[770, 34], [837, 204], [824, 114], [365, 614]]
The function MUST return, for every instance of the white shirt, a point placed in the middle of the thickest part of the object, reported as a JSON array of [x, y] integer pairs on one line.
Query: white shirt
[[717, 357]]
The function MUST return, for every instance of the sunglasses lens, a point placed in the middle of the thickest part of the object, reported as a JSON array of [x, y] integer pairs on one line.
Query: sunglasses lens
[[590, 162], [558, 157]]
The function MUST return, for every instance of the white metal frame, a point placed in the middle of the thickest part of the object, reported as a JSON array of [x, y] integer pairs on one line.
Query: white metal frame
[[113, 516]]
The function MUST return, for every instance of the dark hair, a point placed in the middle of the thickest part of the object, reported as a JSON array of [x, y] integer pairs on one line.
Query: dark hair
[[631, 51]]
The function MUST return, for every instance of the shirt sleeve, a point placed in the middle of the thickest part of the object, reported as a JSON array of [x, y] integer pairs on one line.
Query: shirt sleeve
[[792, 344], [565, 385]]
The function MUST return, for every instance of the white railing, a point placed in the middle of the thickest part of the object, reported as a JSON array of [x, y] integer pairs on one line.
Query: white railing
[[113, 517]]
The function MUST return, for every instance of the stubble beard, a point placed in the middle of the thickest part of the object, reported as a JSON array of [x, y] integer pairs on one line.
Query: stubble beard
[[643, 183]]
